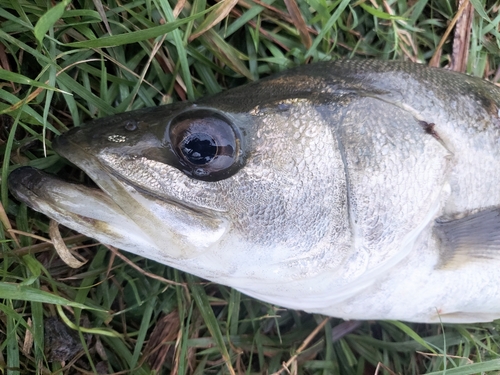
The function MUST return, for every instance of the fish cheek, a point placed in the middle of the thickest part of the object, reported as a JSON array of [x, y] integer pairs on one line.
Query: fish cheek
[[290, 196]]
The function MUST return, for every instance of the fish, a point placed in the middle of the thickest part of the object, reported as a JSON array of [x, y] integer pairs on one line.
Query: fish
[[358, 189]]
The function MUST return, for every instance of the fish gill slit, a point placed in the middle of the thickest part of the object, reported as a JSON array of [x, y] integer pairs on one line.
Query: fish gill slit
[[351, 216]]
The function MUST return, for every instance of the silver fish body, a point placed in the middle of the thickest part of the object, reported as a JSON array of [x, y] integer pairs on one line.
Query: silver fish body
[[357, 189]]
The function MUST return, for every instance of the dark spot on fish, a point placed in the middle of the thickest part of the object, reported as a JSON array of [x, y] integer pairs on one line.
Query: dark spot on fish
[[429, 129]]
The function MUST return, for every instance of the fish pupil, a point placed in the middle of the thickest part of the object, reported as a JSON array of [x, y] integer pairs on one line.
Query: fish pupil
[[199, 148]]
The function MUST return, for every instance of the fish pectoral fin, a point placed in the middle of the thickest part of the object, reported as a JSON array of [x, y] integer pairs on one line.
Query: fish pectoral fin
[[474, 237]]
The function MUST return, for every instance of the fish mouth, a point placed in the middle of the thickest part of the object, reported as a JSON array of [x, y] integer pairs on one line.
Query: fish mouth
[[117, 212], [87, 210], [39, 189]]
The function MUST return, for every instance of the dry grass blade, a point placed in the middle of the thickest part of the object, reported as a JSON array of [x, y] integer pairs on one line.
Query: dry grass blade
[[435, 58], [301, 348], [6, 223], [166, 329], [102, 13], [117, 253], [27, 234], [299, 22], [468, 360], [41, 247], [4, 63], [61, 248], [461, 38], [382, 367], [223, 9], [28, 338], [178, 7]]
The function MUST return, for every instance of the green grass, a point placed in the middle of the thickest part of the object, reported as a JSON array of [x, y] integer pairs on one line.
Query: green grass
[[66, 64]]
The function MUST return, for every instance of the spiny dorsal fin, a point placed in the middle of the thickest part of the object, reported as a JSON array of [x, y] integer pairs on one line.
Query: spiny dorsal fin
[[474, 237]]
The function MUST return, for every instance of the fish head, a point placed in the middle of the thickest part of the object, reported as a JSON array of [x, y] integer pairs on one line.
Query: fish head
[[247, 195]]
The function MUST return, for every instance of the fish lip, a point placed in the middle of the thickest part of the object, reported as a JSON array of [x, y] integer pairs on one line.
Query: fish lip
[[24, 183], [24, 178], [35, 187], [28, 184]]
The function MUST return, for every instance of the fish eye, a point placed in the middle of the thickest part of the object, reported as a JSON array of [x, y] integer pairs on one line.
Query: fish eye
[[204, 143]]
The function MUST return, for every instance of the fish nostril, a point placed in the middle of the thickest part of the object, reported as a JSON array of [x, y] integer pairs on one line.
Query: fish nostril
[[131, 125]]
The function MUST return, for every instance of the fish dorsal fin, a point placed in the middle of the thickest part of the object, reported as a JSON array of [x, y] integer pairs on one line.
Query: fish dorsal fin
[[473, 237]]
